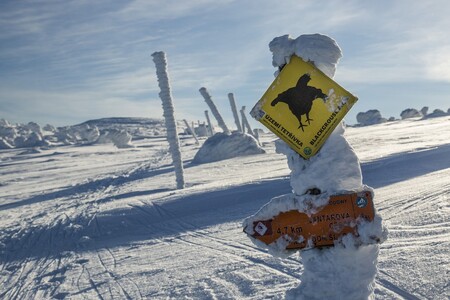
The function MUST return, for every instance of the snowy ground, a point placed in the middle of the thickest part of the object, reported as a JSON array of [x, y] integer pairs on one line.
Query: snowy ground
[[96, 222]]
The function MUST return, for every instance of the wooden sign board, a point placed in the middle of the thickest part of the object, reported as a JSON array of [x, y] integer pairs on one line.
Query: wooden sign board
[[337, 218], [303, 106]]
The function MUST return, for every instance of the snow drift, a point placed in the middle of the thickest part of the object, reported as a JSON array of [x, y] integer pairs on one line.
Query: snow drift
[[223, 146]]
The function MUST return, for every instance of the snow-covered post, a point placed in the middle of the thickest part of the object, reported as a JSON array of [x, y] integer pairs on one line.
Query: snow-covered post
[[214, 110], [211, 128], [191, 131], [347, 270], [159, 58], [245, 123], [235, 113]]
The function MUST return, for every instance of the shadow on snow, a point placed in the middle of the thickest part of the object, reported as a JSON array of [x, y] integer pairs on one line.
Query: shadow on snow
[[150, 221], [403, 166], [153, 221]]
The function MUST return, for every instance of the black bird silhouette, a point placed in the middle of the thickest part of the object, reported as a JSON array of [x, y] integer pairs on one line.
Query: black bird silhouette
[[300, 98]]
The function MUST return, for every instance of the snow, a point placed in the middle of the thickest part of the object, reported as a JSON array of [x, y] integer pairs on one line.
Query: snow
[[410, 113], [334, 169], [224, 146], [96, 222], [319, 48], [370, 117]]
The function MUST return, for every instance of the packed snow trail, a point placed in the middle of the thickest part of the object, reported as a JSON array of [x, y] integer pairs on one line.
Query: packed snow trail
[[98, 222]]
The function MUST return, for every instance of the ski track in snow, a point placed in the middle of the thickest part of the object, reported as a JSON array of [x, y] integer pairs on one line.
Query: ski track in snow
[[97, 222]]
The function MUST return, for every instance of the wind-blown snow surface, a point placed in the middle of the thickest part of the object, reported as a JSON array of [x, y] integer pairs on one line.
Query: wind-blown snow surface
[[99, 222]]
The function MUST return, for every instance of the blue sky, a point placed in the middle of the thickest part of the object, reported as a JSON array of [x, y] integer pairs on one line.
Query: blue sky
[[64, 62]]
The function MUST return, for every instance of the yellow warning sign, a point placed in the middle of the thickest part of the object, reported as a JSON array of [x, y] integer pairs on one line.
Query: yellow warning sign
[[303, 106]]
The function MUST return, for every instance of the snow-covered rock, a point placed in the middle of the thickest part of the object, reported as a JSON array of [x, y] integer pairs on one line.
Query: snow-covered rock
[[224, 146], [424, 110], [437, 113], [410, 113], [370, 117], [120, 138]]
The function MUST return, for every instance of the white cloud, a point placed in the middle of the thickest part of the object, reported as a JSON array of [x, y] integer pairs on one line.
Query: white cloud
[[437, 63], [86, 50]]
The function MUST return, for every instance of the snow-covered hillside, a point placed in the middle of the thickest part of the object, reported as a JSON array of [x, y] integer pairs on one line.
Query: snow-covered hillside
[[99, 222]]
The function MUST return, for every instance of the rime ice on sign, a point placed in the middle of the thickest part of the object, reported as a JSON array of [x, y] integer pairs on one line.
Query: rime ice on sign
[[350, 266], [303, 106]]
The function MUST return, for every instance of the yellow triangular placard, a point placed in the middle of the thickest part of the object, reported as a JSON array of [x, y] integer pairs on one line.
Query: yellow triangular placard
[[303, 106]]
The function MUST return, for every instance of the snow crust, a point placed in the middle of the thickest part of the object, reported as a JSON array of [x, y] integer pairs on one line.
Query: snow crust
[[224, 146]]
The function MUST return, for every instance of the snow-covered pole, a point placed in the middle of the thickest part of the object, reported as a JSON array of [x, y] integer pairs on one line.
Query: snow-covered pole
[[245, 121], [191, 131], [214, 110], [347, 270], [159, 58], [235, 113], [211, 128]]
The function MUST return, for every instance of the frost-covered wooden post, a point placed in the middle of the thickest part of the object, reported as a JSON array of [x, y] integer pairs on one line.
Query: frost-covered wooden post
[[245, 121], [235, 113], [214, 110], [159, 58], [211, 128], [191, 130]]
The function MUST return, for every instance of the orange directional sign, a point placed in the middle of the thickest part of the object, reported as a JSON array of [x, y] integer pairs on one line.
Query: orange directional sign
[[299, 230], [303, 106]]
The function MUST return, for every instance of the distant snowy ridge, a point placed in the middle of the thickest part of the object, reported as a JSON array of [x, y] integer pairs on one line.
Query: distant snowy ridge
[[373, 116], [118, 130]]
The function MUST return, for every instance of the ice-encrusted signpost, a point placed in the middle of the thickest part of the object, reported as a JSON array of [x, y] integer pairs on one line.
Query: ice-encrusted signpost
[[235, 113], [191, 131], [159, 58], [330, 211], [204, 92], [245, 123], [210, 126]]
